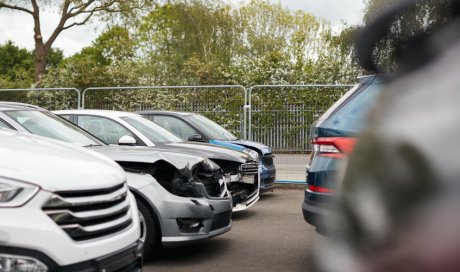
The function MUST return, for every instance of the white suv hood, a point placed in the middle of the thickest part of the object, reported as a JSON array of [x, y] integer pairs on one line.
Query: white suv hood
[[54, 165]]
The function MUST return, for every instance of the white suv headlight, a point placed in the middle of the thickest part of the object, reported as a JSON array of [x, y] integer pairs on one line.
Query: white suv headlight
[[16, 263], [252, 153], [15, 193]]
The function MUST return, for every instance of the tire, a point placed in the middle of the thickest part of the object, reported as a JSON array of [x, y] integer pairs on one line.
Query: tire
[[149, 231]]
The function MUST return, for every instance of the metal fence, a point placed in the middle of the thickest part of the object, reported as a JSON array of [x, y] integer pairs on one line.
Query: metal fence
[[48, 98], [223, 103], [279, 116]]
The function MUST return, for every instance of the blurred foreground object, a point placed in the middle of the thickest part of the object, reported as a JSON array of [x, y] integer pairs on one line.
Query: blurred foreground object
[[400, 198]]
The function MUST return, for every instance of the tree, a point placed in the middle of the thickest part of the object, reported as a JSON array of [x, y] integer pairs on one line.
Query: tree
[[73, 13], [426, 17], [17, 65]]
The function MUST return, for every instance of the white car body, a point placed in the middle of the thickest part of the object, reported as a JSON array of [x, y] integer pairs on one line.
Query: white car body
[[58, 173]]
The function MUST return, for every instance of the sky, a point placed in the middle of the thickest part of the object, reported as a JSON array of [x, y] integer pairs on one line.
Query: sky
[[18, 26]]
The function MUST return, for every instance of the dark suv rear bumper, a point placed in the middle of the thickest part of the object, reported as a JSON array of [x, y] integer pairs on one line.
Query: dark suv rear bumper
[[314, 212]]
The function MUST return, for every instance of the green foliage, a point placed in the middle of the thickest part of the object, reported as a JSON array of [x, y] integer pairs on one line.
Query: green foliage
[[207, 42], [16, 66]]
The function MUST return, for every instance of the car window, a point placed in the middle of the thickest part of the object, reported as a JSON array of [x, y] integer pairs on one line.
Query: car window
[[107, 130], [176, 126], [213, 130], [65, 117], [149, 116], [351, 116], [3, 124], [49, 125], [151, 130]]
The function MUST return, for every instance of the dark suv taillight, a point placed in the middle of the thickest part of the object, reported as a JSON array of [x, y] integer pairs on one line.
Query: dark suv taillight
[[333, 147]]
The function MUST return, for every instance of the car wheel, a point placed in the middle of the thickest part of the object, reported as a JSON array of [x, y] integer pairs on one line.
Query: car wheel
[[149, 231]]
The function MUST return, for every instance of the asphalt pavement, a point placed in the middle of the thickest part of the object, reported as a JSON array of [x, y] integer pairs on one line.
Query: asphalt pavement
[[270, 236]]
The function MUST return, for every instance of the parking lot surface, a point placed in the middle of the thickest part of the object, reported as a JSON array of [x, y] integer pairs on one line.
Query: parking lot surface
[[270, 236]]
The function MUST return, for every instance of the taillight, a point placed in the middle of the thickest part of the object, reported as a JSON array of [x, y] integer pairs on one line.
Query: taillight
[[319, 189], [333, 147]]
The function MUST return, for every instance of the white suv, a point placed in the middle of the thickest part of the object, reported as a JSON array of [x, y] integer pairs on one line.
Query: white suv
[[64, 208]]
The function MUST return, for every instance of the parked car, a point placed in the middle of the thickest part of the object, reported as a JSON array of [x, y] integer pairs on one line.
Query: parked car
[[64, 208], [181, 198], [333, 139], [197, 128], [240, 169], [399, 201]]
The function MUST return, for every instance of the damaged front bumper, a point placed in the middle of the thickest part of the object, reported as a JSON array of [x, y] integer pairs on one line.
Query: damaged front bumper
[[190, 204], [184, 219], [244, 186]]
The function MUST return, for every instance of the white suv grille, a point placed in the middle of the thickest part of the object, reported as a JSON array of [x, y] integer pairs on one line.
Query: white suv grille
[[90, 214]]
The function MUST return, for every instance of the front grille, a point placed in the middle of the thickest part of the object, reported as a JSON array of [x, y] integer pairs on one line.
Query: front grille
[[267, 160], [90, 214], [221, 220], [250, 168]]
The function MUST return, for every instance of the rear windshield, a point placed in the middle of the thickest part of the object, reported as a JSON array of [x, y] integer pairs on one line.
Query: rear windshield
[[350, 117]]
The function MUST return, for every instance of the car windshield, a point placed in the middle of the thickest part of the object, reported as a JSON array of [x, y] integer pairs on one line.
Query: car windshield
[[49, 125], [213, 130], [152, 131], [352, 115]]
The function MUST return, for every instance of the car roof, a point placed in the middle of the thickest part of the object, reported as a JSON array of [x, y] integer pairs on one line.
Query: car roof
[[105, 113], [176, 113], [4, 105]]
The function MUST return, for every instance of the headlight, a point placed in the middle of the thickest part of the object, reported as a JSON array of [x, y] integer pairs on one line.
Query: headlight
[[15, 193], [211, 166], [16, 263], [252, 153]]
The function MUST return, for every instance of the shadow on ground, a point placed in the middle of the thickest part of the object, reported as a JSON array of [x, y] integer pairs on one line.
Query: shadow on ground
[[201, 251]]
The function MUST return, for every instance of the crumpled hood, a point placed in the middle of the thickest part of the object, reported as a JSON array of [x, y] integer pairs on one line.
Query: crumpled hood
[[148, 155], [253, 145], [209, 151], [55, 165]]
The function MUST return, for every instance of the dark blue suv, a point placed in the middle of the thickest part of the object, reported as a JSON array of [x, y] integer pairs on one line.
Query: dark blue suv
[[333, 139]]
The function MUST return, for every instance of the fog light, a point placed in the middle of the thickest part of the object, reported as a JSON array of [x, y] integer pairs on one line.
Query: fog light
[[16, 263], [189, 224]]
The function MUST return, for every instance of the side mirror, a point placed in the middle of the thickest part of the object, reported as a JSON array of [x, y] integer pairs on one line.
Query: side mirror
[[127, 140], [195, 138]]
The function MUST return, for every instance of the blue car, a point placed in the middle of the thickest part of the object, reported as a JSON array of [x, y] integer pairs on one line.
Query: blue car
[[196, 127], [333, 139]]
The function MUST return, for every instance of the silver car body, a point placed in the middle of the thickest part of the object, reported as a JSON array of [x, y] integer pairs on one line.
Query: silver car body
[[251, 179]]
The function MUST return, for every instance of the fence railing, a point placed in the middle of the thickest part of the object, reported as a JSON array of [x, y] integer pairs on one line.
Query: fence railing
[[280, 116], [48, 98], [222, 103]]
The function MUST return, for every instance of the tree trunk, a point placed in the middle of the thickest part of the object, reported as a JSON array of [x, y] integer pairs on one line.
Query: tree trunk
[[40, 58]]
